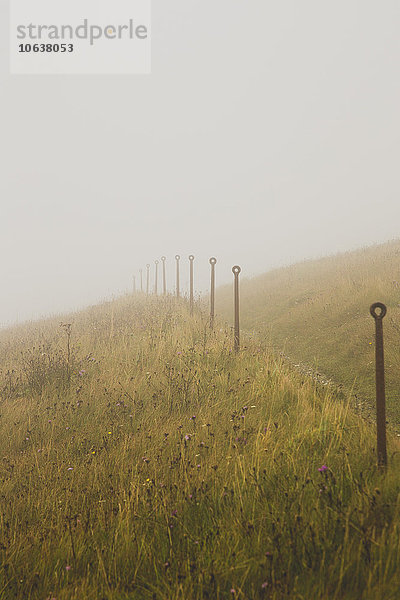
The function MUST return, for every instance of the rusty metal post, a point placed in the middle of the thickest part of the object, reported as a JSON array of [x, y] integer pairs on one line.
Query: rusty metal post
[[148, 279], [236, 270], [156, 280], [213, 262], [177, 258], [164, 278], [380, 383], [141, 279], [191, 296]]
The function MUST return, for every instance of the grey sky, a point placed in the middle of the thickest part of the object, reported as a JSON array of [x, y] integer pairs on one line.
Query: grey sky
[[268, 132]]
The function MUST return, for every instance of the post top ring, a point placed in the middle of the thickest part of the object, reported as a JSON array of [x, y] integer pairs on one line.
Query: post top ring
[[177, 257], [156, 262], [191, 257], [163, 258], [148, 265], [213, 261], [374, 307], [236, 270]]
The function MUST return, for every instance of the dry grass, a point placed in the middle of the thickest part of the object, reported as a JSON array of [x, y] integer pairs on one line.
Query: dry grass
[[317, 312], [154, 463]]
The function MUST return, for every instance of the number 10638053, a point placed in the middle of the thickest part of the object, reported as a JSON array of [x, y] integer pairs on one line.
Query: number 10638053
[[46, 48]]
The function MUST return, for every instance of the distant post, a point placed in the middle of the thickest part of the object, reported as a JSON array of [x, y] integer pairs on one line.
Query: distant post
[[236, 270], [148, 279], [380, 382], [134, 284], [164, 278], [177, 258], [191, 297], [213, 262], [156, 281], [141, 279]]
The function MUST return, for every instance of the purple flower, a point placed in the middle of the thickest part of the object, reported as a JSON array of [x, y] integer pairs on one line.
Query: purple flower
[[68, 568], [187, 437], [323, 469]]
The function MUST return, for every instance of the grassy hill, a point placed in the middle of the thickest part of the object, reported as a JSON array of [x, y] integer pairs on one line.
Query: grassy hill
[[142, 459], [317, 313]]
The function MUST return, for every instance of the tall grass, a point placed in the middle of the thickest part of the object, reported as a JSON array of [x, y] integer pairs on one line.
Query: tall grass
[[167, 467], [317, 313]]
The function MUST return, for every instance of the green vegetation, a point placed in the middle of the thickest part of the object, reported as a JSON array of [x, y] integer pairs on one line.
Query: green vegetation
[[142, 459], [317, 313]]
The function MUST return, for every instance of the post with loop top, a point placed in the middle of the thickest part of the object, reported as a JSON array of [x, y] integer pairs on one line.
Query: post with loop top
[[141, 279], [134, 284], [380, 383], [148, 279], [177, 258], [156, 280], [213, 262], [191, 295], [164, 278], [236, 270]]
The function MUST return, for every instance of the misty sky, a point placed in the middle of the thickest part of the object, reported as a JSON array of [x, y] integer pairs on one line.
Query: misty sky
[[268, 132]]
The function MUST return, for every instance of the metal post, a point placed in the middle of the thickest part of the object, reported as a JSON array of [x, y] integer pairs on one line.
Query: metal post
[[236, 270], [191, 298], [148, 279], [141, 279], [213, 262], [134, 284], [164, 278], [156, 281], [380, 383], [177, 258]]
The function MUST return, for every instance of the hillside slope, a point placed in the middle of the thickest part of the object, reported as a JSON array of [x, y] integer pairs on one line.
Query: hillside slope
[[142, 459], [317, 313]]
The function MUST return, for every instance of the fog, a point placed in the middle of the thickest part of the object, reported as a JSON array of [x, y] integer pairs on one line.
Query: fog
[[267, 133]]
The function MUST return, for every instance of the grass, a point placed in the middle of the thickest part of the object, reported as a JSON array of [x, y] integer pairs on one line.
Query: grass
[[317, 313], [142, 459]]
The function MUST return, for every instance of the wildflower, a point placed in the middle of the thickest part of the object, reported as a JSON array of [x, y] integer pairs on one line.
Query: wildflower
[[193, 417], [323, 469], [187, 437], [174, 513], [233, 591], [68, 567], [82, 372], [109, 432], [70, 469], [264, 585]]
